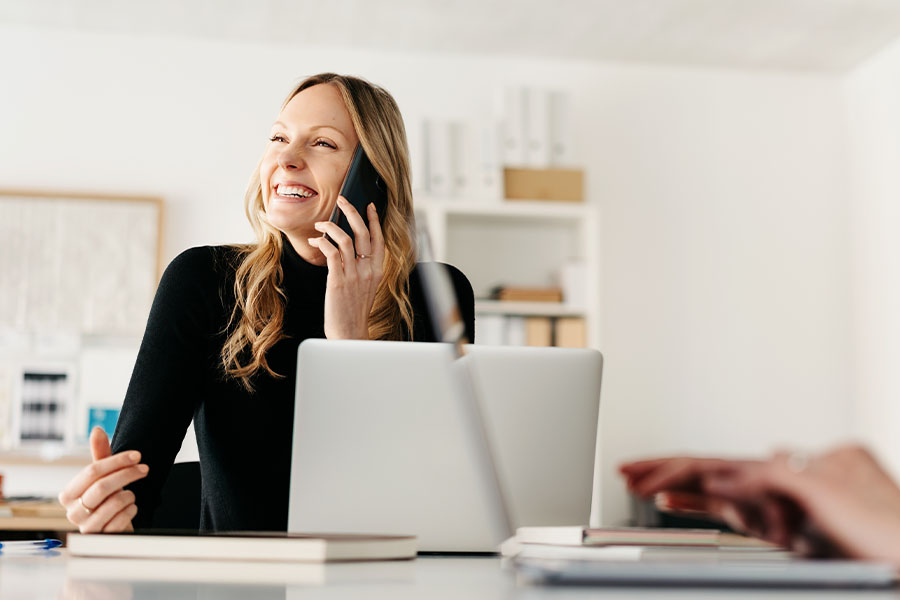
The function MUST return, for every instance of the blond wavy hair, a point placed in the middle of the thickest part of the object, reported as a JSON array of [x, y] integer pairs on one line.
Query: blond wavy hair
[[256, 322]]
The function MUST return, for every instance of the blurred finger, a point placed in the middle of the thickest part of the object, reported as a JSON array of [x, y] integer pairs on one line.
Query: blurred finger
[[775, 522], [680, 474], [733, 514]]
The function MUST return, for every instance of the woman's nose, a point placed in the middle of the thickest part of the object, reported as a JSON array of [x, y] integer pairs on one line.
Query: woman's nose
[[291, 159]]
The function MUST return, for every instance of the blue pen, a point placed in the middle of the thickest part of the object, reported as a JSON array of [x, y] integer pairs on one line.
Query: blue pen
[[29, 546]]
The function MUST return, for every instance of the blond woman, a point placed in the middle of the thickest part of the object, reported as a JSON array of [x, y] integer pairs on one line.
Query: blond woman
[[221, 340]]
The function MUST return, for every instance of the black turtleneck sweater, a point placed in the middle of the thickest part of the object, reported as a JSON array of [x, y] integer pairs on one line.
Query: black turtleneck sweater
[[244, 439]]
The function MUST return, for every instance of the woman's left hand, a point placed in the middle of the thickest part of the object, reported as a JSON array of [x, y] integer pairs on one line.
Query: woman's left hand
[[354, 272]]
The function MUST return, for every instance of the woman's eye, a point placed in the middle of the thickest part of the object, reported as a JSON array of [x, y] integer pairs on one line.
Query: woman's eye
[[325, 143], [277, 138]]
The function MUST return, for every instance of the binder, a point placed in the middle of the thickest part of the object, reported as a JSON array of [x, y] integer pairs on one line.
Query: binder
[[560, 129], [537, 129], [438, 163], [489, 167], [512, 111]]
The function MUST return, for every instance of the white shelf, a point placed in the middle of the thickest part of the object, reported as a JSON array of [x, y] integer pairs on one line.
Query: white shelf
[[541, 309], [518, 242], [535, 209]]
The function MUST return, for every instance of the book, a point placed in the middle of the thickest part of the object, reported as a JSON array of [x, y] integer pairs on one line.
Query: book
[[271, 573], [618, 536], [246, 546]]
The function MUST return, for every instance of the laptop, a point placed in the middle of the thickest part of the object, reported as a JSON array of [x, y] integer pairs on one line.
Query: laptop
[[406, 437], [708, 572]]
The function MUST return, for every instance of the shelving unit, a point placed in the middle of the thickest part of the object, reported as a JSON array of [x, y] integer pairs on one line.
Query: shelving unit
[[518, 242]]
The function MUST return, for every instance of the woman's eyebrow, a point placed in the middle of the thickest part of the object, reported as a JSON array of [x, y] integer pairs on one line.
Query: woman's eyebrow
[[313, 128]]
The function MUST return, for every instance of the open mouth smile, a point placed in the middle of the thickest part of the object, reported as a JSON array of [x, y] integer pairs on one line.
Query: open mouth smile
[[294, 192]]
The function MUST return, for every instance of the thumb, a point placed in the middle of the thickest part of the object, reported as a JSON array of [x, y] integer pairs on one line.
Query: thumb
[[99, 444]]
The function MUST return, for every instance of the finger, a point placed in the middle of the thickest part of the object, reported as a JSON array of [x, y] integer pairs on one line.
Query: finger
[[106, 511], [684, 502], [361, 234], [679, 474], [344, 242], [95, 471], [690, 474], [716, 509], [99, 444], [775, 523], [636, 470], [638, 467], [122, 521], [376, 235], [332, 258], [108, 486]]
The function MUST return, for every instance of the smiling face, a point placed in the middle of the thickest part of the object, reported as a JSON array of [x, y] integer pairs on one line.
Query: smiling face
[[301, 173]]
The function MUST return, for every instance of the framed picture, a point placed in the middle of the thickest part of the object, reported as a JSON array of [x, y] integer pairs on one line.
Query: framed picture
[[80, 263]]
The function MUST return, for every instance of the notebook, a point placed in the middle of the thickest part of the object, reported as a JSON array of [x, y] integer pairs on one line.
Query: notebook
[[252, 546], [618, 536]]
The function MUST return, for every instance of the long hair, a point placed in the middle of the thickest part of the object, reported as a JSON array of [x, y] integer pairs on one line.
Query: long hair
[[256, 322]]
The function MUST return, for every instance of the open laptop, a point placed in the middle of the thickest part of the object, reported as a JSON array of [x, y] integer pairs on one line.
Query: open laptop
[[404, 437]]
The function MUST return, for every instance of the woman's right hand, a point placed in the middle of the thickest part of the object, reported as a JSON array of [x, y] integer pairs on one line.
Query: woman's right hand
[[95, 499]]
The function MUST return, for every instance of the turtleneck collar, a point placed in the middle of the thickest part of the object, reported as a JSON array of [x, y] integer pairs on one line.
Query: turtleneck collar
[[296, 269]]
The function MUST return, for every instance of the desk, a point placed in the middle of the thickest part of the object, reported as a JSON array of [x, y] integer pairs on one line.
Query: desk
[[60, 578]]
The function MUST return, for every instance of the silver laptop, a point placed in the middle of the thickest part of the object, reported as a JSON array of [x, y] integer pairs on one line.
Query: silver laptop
[[401, 437]]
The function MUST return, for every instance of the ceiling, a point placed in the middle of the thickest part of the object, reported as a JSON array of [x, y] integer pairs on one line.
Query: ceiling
[[831, 35]]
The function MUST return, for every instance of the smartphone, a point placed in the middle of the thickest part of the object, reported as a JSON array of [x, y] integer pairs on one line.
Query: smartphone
[[362, 185]]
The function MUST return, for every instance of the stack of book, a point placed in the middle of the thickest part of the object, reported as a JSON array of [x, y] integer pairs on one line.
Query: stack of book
[[632, 543]]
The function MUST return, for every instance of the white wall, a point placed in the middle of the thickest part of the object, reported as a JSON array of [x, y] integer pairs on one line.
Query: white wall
[[724, 239], [873, 99]]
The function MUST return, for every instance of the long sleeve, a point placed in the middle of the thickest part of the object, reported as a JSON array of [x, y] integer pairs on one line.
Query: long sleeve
[[170, 373]]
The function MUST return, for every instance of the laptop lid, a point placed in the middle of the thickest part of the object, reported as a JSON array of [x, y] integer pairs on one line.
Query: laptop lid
[[399, 437]]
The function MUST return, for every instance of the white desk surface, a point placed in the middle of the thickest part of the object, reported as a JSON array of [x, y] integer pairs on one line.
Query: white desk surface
[[62, 578]]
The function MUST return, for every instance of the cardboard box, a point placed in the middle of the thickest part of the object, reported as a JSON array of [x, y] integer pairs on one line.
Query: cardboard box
[[563, 185]]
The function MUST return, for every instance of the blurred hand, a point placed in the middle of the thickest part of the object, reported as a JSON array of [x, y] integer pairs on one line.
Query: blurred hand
[[842, 496], [95, 499], [355, 269]]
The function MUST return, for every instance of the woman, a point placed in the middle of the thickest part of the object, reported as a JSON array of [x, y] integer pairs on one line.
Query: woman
[[222, 336], [841, 502]]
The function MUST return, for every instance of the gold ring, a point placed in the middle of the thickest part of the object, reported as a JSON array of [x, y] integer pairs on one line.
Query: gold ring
[[363, 256], [86, 509]]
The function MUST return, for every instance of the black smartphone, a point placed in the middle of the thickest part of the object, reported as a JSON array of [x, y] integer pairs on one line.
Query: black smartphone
[[362, 185]]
